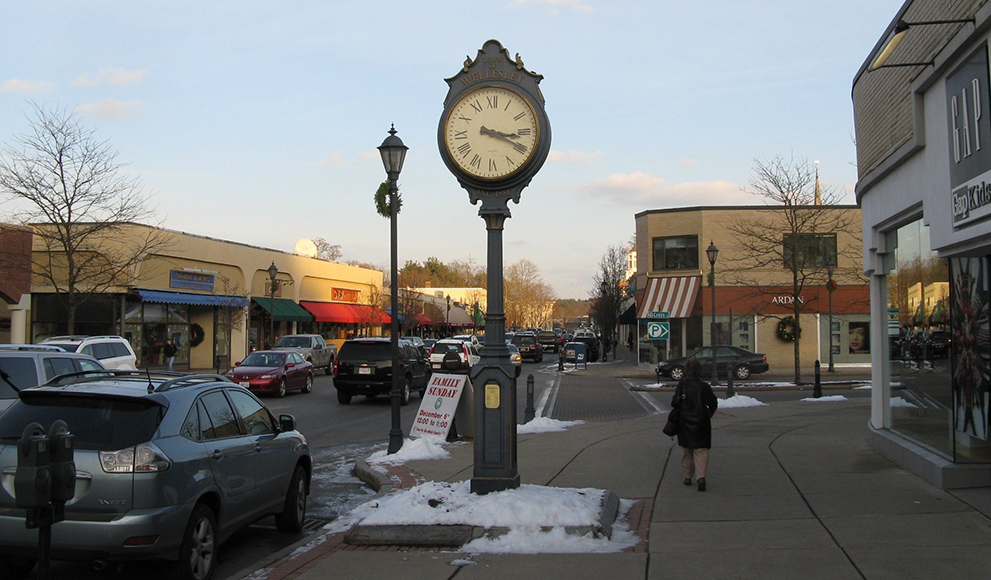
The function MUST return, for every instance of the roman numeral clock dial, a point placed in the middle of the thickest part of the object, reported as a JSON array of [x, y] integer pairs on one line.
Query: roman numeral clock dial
[[491, 133]]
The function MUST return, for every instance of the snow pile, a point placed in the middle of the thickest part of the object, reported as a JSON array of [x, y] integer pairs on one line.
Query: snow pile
[[900, 402], [826, 399], [412, 450], [545, 425], [739, 401]]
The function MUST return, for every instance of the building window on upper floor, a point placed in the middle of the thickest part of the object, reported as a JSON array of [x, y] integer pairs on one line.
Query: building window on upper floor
[[811, 250], [676, 253]]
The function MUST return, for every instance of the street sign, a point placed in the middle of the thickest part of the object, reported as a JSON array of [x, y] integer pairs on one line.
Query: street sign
[[658, 330], [658, 314], [437, 406]]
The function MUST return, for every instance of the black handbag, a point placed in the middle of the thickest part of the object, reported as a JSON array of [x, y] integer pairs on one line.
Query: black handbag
[[671, 427]]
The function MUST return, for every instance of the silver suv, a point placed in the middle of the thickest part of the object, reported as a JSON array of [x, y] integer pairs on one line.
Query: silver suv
[[114, 352], [168, 467], [23, 366]]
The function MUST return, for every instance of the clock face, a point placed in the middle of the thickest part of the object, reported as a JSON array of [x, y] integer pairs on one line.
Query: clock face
[[491, 133]]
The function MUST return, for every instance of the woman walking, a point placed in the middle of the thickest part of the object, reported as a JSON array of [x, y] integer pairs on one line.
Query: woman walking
[[696, 404]]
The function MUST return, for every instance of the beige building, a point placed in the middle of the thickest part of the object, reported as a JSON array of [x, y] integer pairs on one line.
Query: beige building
[[206, 293], [754, 299]]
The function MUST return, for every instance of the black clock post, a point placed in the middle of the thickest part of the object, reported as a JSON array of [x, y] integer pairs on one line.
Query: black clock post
[[494, 380]]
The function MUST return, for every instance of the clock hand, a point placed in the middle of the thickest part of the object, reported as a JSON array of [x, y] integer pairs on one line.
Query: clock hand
[[493, 133]]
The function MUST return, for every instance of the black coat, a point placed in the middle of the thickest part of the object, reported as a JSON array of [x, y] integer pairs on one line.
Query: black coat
[[697, 404]]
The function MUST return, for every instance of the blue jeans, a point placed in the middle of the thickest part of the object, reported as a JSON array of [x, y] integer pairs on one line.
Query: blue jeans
[[170, 360]]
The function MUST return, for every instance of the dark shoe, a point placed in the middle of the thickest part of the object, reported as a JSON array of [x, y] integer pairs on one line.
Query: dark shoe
[[701, 484], [688, 481]]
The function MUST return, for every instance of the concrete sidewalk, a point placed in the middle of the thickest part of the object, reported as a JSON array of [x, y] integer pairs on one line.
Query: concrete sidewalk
[[793, 491]]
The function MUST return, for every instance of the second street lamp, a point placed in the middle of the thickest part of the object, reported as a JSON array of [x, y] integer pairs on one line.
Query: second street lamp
[[712, 252], [830, 286], [273, 271], [393, 154]]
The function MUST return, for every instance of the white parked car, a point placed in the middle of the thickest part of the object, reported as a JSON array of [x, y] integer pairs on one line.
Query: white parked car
[[466, 351], [113, 352]]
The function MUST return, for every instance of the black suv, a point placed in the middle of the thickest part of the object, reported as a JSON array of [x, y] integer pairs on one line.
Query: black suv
[[529, 346], [591, 342], [547, 340], [364, 367], [939, 343]]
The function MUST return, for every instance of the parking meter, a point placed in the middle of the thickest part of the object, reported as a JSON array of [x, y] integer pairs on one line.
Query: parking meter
[[33, 480], [62, 463]]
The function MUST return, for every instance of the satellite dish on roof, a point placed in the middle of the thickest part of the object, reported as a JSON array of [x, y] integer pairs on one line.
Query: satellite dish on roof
[[306, 248]]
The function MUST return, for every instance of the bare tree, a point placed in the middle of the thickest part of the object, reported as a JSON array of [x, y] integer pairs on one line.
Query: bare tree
[[231, 310], [793, 234], [326, 250], [80, 201], [529, 302], [608, 292]]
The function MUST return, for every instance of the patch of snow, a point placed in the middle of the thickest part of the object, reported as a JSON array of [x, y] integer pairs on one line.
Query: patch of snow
[[412, 450], [826, 399], [740, 401], [900, 402], [463, 562], [545, 425]]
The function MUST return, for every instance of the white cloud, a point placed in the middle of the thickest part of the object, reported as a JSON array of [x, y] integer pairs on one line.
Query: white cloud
[[111, 76], [334, 159], [24, 87], [553, 5], [642, 189], [582, 158], [112, 109], [370, 156]]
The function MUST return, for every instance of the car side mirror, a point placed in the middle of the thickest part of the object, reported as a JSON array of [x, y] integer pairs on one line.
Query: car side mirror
[[290, 365], [287, 423]]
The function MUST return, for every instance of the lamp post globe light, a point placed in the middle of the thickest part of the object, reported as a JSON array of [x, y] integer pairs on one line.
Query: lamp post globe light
[[712, 252], [393, 154], [273, 271]]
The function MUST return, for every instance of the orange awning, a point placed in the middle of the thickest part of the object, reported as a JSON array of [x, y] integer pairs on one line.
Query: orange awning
[[675, 295], [346, 313]]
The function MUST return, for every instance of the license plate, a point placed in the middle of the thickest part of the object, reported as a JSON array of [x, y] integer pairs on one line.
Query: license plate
[[245, 384], [436, 365], [364, 371]]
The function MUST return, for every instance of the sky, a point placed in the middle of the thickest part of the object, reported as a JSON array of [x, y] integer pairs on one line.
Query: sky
[[258, 122]]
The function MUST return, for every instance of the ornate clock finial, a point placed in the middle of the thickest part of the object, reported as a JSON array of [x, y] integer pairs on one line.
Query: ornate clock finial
[[467, 63], [519, 62]]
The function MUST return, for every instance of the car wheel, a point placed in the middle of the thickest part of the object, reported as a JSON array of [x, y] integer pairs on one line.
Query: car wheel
[[343, 397], [282, 388], [677, 373], [308, 386], [290, 521], [742, 372], [15, 567], [330, 367], [404, 392], [198, 551]]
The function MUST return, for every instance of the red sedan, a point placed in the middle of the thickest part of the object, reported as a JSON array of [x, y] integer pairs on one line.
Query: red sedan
[[273, 372]]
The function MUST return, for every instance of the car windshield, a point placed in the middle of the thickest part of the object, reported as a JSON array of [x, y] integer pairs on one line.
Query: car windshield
[[521, 340], [264, 359], [19, 371], [294, 342], [446, 347], [365, 350], [66, 346], [100, 423]]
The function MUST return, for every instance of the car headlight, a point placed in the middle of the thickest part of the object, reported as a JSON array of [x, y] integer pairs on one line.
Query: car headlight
[[269, 376]]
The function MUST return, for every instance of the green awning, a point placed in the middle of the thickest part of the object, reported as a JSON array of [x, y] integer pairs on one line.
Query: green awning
[[285, 310]]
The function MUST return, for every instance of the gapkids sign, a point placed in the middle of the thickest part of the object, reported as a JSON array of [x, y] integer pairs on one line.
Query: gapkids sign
[[969, 124]]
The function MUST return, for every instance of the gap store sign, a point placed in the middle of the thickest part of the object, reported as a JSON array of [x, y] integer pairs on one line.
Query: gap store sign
[[969, 123]]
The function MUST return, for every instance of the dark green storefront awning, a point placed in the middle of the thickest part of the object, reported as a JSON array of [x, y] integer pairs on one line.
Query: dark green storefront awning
[[285, 310]]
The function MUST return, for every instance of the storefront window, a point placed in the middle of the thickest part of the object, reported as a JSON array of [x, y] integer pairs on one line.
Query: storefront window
[[921, 367], [676, 253]]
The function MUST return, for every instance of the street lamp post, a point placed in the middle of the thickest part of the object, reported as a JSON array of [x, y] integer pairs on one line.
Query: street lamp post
[[273, 271], [712, 252], [393, 154], [830, 286], [604, 287], [448, 319]]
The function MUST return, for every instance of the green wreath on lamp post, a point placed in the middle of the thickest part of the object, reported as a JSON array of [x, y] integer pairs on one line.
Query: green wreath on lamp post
[[787, 329]]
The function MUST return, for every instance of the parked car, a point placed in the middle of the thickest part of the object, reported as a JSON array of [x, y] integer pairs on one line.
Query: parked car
[[273, 372], [113, 352], [516, 358], [547, 340], [23, 366], [312, 347], [418, 343], [364, 367], [467, 355], [743, 363], [168, 467], [528, 345], [469, 338], [591, 344], [939, 343]]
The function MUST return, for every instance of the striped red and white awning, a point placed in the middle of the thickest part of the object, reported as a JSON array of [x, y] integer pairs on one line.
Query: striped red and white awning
[[675, 295]]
